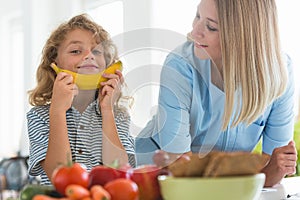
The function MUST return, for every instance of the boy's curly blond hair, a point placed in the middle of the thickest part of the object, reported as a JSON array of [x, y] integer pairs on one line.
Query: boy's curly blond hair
[[45, 76]]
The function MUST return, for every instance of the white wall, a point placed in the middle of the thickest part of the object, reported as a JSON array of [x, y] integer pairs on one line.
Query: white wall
[[34, 19], [289, 15], [159, 24]]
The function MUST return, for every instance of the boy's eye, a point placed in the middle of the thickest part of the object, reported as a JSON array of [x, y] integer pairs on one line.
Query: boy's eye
[[96, 52], [75, 51]]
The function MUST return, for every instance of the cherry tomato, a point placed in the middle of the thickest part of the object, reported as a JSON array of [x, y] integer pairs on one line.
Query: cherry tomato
[[67, 175], [122, 189]]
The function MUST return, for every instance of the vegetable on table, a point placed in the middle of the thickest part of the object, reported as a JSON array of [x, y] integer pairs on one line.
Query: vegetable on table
[[66, 175]]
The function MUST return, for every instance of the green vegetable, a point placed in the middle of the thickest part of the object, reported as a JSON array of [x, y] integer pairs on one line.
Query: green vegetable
[[29, 191]]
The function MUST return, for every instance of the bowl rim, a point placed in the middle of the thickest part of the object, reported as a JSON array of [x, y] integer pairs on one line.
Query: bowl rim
[[250, 176]]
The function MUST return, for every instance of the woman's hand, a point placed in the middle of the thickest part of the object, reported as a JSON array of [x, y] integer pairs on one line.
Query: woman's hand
[[163, 159], [63, 92], [282, 162], [111, 90]]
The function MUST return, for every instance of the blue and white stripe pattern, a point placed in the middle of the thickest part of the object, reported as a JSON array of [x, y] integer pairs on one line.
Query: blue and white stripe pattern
[[85, 136]]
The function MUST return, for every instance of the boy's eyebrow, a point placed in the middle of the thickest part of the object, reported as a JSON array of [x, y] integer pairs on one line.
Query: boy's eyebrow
[[74, 42]]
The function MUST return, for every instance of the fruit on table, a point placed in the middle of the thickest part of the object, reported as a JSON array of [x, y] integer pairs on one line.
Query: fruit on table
[[89, 81], [145, 177], [125, 182], [69, 174], [100, 175], [122, 189]]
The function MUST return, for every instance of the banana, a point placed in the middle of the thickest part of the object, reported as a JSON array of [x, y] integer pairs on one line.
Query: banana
[[89, 81]]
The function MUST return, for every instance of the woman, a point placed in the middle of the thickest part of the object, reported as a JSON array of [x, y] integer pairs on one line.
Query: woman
[[227, 88]]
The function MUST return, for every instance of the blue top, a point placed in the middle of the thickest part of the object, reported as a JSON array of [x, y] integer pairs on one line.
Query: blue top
[[190, 113]]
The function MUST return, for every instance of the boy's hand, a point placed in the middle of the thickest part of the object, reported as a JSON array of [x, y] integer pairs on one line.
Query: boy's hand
[[63, 92], [110, 90]]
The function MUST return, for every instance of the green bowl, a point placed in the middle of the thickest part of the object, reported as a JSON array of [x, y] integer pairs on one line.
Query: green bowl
[[225, 188]]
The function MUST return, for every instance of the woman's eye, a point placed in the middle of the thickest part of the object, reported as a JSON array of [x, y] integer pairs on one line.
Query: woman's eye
[[197, 16], [210, 28]]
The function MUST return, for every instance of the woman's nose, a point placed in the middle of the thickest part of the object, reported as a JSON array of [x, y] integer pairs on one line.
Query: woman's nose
[[198, 28]]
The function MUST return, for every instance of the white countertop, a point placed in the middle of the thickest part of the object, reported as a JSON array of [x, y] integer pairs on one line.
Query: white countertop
[[288, 189]]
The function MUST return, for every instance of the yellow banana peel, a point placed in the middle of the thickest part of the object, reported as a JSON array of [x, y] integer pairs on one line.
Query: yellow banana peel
[[90, 81]]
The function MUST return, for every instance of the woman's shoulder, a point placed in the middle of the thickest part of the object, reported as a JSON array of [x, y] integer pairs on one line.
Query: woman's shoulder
[[183, 60], [184, 55], [183, 51], [288, 61]]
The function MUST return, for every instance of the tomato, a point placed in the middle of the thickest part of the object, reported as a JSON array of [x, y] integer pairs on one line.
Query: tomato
[[122, 189], [100, 175], [145, 176], [67, 175]]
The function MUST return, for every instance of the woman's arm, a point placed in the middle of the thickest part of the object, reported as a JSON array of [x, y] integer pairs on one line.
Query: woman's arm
[[174, 103], [278, 134]]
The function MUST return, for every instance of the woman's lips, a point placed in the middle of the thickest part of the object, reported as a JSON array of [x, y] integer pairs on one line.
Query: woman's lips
[[200, 45], [196, 43]]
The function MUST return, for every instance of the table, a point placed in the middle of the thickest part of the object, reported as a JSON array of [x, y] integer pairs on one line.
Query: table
[[288, 189]]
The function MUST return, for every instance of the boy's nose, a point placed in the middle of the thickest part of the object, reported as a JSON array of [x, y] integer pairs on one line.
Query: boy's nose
[[89, 55]]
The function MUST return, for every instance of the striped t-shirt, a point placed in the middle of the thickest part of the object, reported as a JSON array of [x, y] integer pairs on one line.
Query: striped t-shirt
[[85, 136]]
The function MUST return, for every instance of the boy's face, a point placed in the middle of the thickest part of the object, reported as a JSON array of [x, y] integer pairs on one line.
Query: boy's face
[[80, 53]]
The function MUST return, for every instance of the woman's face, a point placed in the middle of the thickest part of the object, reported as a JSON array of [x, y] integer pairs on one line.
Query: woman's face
[[205, 32], [80, 53]]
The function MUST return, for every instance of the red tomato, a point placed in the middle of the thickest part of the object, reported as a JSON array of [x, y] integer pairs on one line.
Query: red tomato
[[100, 175], [122, 189], [67, 175], [145, 176]]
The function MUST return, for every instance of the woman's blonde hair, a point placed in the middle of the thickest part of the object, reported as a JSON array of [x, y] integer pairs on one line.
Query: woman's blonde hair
[[45, 76], [253, 67]]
